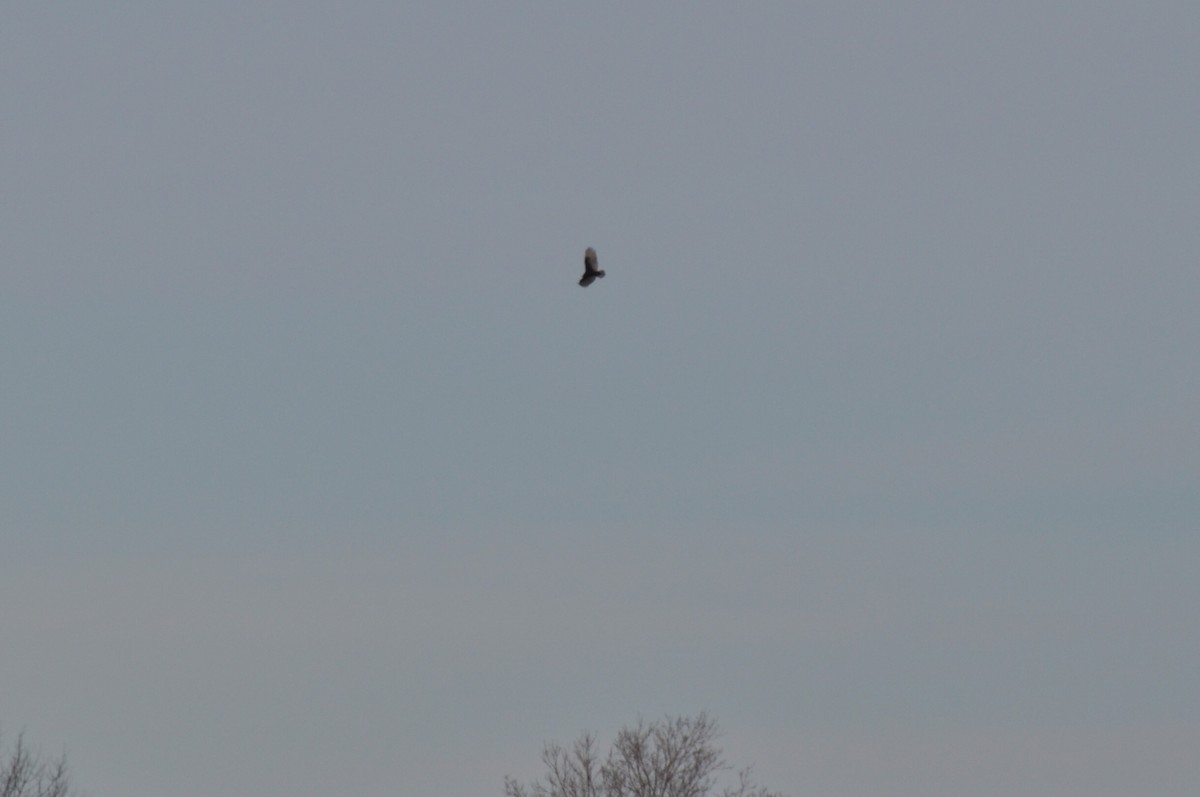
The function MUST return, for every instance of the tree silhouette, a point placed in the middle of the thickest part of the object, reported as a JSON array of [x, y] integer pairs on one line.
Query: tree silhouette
[[25, 774], [672, 757]]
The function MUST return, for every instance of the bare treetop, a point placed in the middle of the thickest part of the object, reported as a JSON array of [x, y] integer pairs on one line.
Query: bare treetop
[[25, 774], [672, 757]]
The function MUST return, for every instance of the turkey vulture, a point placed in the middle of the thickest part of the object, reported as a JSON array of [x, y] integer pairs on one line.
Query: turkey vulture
[[590, 271]]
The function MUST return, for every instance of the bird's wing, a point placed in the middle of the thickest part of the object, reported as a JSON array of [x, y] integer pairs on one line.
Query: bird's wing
[[587, 279], [589, 259]]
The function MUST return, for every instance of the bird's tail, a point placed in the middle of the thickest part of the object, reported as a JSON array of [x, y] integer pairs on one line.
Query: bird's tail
[[599, 273]]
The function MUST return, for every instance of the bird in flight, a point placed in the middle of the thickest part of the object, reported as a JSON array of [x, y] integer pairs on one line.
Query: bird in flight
[[591, 271]]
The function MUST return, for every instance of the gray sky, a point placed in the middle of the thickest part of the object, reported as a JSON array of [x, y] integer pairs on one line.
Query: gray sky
[[879, 441]]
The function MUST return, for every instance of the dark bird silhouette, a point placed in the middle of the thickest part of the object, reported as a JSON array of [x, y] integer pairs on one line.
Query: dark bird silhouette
[[590, 270]]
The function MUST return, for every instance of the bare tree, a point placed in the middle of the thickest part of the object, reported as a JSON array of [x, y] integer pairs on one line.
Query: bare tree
[[24, 774], [673, 757]]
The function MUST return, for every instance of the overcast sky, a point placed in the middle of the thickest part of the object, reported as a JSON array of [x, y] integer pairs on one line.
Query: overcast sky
[[319, 474]]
